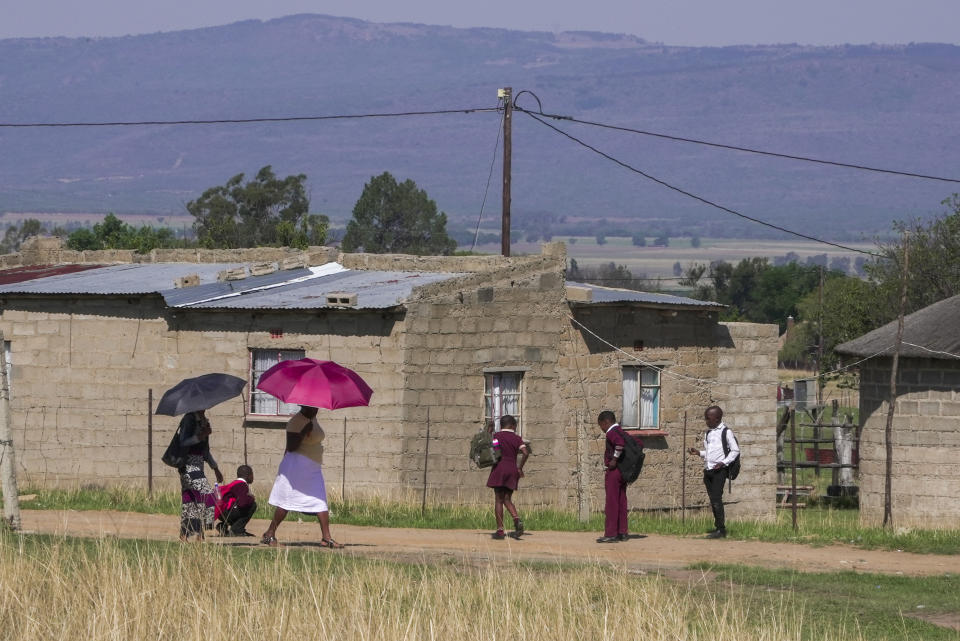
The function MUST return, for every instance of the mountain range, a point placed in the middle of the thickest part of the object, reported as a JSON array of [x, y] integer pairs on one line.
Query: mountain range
[[892, 106]]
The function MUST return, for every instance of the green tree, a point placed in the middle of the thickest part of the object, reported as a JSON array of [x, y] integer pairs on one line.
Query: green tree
[[601, 238], [263, 211], [695, 241], [638, 240], [15, 235], [753, 289], [392, 217], [934, 261], [113, 233]]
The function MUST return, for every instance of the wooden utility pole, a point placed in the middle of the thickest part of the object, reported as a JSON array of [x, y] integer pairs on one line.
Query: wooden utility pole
[[506, 94], [891, 405], [11, 496]]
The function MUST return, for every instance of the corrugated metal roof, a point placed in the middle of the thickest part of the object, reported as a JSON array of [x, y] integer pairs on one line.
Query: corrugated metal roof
[[188, 295], [374, 290], [32, 272], [931, 332], [614, 295], [135, 278]]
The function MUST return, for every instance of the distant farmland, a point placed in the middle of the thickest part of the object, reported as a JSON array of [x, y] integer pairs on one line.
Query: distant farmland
[[658, 261]]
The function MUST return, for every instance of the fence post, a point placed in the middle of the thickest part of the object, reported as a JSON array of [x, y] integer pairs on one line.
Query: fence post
[[583, 502], [426, 457], [683, 472], [150, 442], [11, 496], [793, 465]]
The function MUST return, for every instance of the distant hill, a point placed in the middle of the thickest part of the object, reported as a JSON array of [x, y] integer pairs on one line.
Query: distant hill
[[893, 106]]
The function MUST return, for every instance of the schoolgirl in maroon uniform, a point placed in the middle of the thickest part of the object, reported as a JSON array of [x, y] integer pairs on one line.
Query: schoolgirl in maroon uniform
[[506, 474]]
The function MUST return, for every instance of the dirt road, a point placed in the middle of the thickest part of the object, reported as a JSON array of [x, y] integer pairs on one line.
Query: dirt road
[[648, 553]]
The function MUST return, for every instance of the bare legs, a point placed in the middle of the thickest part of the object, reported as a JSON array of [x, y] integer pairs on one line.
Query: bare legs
[[503, 497], [279, 514]]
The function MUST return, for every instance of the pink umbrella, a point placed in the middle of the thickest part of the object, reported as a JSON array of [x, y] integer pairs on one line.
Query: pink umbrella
[[315, 383]]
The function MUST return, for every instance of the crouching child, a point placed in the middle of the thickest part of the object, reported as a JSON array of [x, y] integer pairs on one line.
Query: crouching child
[[236, 505]]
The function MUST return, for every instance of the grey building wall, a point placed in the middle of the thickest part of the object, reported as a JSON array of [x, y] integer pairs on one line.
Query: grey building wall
[[926, 442]]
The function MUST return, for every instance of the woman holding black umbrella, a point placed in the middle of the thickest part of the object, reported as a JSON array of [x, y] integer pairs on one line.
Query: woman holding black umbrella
[[198, 500], [190, 447]]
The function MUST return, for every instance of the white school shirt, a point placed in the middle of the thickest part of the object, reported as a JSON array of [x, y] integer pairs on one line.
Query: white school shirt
[[713, 454]]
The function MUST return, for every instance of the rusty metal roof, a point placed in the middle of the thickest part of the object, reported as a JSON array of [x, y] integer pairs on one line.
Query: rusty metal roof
[[32, 272]]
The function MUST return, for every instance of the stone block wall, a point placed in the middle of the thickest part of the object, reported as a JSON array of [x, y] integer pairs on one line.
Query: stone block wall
[[700, 361], [747, 391], [926, 442], [82, 368], [503, 319]]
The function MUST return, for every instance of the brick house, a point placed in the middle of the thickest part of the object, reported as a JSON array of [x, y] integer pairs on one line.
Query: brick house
[[926, 422], [447, 343]]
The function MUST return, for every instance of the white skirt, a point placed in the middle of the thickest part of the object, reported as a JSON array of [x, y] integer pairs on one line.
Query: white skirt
[[299, 486]]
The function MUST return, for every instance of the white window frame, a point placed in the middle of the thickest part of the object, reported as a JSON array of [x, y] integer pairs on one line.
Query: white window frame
[[633, 378], [269, 405], [493, 402]]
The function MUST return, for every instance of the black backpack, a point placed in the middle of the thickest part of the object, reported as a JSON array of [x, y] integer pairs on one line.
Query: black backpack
[[631, 461], [733, 470]]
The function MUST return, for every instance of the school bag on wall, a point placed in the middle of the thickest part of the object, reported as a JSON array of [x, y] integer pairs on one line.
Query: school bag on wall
[[482, 451], [631, 461]]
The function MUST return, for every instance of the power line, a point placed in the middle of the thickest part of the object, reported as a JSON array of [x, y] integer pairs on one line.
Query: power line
[[243, 121], [750, 150], [694, 196]]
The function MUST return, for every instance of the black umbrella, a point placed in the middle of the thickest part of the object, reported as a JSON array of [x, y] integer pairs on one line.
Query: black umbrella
[[200, 393]]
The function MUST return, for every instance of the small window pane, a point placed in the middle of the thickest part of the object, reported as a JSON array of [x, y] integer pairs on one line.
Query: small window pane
[[630, 416], [641, 397], [502, 395], [260, 361]]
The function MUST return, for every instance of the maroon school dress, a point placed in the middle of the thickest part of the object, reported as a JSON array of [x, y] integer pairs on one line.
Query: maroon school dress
[[505, 473]]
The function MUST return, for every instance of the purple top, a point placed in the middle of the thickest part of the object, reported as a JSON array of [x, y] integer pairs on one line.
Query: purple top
[[614, 440], [509, 444]]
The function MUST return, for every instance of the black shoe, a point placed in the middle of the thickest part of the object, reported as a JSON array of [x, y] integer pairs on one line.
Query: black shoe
[[499, 534], [608, 539], [717, 534], [241, 533], [623, 537], [221, 528], [518, 527]]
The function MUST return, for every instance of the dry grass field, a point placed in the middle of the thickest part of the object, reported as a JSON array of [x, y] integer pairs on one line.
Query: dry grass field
[[118, 590]]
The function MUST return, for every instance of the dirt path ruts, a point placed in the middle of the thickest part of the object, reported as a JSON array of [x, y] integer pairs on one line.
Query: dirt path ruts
[[651, 553]]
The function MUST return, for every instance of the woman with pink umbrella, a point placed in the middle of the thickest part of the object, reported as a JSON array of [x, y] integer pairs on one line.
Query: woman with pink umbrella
[[299, 485]]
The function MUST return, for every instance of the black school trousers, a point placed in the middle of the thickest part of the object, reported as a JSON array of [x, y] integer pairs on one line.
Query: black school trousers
[[714, 480]]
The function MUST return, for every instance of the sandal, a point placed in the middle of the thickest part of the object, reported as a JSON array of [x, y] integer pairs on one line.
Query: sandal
[[270, 540], [330, 543]]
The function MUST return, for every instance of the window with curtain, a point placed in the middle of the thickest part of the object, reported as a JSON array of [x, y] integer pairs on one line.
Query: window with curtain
[[260, 361], [641, 397], [502, 394]]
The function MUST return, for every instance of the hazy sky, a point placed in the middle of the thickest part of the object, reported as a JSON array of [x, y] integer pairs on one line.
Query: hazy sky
[[681, 22]]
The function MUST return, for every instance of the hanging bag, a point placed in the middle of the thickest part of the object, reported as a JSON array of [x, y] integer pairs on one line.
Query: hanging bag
[[174, 455]]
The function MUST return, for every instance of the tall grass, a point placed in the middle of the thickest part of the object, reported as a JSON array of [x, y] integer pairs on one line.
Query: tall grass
[[55, 588]]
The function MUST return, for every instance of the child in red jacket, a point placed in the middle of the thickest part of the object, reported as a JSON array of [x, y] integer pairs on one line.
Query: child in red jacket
[[236, 504]]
